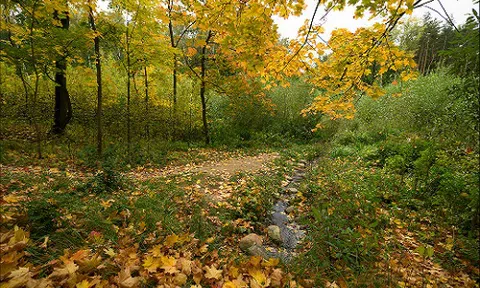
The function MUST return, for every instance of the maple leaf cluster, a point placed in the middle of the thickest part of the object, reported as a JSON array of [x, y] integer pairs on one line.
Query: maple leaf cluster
[[174, 261]]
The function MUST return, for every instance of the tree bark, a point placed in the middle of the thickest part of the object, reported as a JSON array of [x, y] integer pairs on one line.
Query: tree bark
[[147, 127], [98, 65], [174, 76], [203, 89], [63, 106], [35, 90], [128, 91]]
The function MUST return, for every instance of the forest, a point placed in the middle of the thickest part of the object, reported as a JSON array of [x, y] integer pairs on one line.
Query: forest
[[187, 143]]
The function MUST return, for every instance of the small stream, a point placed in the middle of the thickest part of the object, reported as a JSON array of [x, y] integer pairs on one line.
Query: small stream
[[291, 233]]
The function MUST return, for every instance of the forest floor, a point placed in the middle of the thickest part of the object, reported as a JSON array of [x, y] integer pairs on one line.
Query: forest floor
[[180, 226], [220, 167]]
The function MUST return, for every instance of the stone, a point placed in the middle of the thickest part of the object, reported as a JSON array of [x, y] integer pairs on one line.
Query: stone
[[290, 209], [279, 206], [249, 241], [257, 250], [273, 232], [279, 219], [292, 190], [289, 238], [301, 174]]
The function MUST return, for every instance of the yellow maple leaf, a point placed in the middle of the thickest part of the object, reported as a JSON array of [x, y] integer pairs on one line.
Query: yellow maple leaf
[[19, 236], [171, 240], [212, 272], [255, 261], [203, 249], [18, 277], [110, 252], [229, 284], [151, 264], [157, 251], [11, 199], [83, 284], [186, 266], [233, 272], [258, 277], [168, 264], [180, 279], [69, 269], [125, 279], [272, 262]]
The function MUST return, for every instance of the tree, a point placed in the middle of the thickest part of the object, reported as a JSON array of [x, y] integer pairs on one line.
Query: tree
[[23, 46], [354, 56], [176, 12], [98, 65], [63, 105], [407, 34]]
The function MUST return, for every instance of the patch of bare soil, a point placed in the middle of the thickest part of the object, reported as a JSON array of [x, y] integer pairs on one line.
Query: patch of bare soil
[[225, 168], [247, 164]]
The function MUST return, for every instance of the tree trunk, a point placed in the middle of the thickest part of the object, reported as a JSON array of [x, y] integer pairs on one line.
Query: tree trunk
[[25, 88], [203, 88], [174, 78], [98, 65], [128, 93], [35, 90], [63, 106], [147, 127], [174, 116]]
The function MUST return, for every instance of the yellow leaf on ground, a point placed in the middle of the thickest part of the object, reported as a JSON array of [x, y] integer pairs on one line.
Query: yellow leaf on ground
[[272, 262], [186, 266], [212, 273], [259, 277], [151, 264], [171, 240], [168, 264], [83, 284], [229, 284], [125, 279], [69, 269]]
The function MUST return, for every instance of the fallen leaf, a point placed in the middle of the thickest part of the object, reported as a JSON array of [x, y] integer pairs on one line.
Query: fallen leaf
[[213, 273]]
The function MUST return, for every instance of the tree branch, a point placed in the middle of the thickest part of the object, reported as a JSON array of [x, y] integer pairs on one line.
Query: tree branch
[[308, 32]]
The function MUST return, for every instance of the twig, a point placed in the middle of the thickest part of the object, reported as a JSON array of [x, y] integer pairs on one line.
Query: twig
[[308, 32]]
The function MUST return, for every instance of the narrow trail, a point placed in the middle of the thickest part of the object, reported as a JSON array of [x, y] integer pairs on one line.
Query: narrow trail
[[224, 168]]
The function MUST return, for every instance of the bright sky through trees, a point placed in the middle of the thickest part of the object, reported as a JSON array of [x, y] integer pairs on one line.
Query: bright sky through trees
[[344, 19]]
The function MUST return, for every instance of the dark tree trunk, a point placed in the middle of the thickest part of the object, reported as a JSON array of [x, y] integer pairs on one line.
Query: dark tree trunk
[[26, 113], [98, 65], [203, 89], [63, 106]]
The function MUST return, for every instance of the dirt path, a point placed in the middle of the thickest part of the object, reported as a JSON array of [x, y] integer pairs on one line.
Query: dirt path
[[224, 168], [247, 164]]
